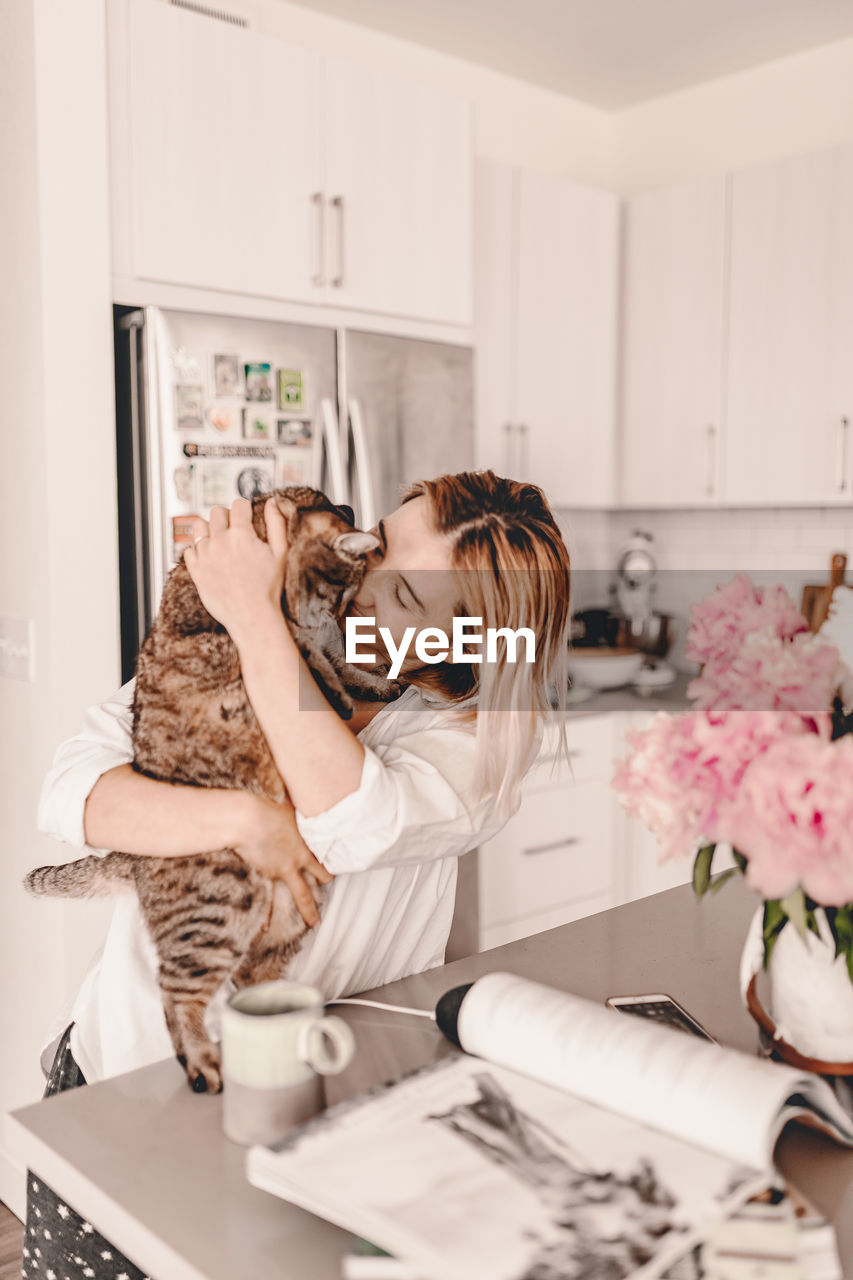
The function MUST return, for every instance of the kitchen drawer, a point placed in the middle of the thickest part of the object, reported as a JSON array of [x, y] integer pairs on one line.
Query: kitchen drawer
[[591, 751], [498, 935], [559, 847]]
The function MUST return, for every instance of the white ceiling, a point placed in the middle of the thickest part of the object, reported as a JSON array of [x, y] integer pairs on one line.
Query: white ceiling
[[609, 53]]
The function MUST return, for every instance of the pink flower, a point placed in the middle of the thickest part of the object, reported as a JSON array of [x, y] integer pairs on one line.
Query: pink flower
[[685, 771], [770, 674], [722, 621], [793, 819]]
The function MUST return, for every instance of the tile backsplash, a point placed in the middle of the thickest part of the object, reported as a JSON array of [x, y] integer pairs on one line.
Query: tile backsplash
[[696, 549]]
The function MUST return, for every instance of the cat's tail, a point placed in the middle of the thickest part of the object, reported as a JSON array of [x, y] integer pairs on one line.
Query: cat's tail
[[86, 878]]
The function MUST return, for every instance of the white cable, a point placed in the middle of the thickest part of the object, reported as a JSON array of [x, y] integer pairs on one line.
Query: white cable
[[392, 1008]]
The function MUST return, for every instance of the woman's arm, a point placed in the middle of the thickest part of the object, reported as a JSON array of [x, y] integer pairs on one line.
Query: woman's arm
[[127, 810], [240, 580], [92, 796]]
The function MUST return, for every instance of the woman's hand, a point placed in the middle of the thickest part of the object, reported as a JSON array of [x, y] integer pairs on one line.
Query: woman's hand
[[238, 577], [272, 844]]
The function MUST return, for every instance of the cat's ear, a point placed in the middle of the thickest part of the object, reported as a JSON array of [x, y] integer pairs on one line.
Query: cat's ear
[[347, 513], [356, 543]]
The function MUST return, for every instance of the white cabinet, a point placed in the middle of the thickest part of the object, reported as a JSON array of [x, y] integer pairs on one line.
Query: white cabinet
[[790, 374], [245, 164], [674, 246], [221, 174], [399, 196], [545, 317], [555, 860]]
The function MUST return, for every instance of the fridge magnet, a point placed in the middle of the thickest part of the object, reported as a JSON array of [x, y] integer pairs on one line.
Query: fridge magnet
[[183, 477], [189, 406], [290, 389], [258, 381], [295, 431], [186, 365], [215, 486], [226, 375], [294, 467], [183, 532], [193, 450], [221, 417], [257, 424], [253, 481]]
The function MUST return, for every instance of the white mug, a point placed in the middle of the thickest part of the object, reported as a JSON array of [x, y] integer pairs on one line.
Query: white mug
[[277, 1044]]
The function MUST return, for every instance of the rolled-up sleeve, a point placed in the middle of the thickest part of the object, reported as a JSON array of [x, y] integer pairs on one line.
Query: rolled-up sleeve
[[415, 803], [103, 742]]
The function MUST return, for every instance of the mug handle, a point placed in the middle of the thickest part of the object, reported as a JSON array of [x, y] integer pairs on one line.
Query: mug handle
[[327, 1045]]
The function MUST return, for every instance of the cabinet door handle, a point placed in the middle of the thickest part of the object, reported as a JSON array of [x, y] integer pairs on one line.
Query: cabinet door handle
[[841, 456], [710, 459], [319, 204], [532, 850], [508, 430], [523, 451], [337, 204]]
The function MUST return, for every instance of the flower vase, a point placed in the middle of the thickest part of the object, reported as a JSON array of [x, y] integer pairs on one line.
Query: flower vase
[[809, 1022]]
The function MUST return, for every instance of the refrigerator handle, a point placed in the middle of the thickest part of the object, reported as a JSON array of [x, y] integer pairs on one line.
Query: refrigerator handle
[[363, 473], [133, 325], [331, 440]]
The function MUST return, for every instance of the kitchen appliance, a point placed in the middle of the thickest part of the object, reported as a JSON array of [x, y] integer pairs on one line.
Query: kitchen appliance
[[645, 628], [213, 407]]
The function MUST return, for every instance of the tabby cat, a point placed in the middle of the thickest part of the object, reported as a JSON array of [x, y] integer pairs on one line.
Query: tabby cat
[[211, 916]]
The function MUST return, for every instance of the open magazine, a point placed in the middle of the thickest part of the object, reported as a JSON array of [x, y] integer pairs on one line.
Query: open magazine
[[576, 1143]]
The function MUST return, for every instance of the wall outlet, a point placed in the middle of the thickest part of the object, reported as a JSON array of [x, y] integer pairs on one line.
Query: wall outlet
[[17, 649]]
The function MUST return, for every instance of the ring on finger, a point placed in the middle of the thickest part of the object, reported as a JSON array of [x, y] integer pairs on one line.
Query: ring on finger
[[201, 537]]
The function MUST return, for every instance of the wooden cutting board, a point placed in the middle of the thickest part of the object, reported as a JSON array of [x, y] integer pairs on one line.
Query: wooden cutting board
[[817, 597]]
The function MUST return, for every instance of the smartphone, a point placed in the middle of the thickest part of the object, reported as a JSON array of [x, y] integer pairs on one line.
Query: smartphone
[[660, 1008]]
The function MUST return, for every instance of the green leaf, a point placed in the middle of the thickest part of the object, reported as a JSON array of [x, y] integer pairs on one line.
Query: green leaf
[[774, 917], [702, 869], [740, 860], [773, 923], [794, 907], [720, 880]]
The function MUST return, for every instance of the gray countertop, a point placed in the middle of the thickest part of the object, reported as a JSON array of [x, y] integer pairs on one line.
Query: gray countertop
[[145, 1160], [672, 699]]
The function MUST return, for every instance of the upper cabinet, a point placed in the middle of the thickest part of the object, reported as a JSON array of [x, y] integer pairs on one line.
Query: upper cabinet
[[222, 178], [672, 372], [399, 194], [737, 382], [545, 279], [790, 372], [246, 164]]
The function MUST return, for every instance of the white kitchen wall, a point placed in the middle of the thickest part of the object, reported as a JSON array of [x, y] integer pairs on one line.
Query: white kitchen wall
[[696, 549], [57, 487]]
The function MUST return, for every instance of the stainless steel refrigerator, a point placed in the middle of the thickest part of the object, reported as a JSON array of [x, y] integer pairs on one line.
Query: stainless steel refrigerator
[[213, 407]]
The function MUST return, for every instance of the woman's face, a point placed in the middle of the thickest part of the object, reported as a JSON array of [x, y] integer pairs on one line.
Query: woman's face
[[409, 582]]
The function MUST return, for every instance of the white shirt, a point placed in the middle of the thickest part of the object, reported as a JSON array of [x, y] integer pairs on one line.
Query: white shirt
[[392, 845]]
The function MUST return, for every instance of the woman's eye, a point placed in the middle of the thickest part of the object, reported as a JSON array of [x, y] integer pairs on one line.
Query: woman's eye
[[399, 598]]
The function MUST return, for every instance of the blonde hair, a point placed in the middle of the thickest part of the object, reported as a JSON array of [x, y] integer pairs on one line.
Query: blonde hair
[[513, 571]]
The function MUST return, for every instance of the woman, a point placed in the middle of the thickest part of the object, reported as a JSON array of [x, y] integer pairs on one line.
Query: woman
[[381, 806]]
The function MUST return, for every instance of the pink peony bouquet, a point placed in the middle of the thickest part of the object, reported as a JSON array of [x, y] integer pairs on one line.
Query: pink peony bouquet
[[762, 762]]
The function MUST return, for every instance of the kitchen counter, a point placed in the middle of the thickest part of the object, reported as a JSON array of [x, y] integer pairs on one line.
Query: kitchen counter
[[145, 1160], [672, 699]]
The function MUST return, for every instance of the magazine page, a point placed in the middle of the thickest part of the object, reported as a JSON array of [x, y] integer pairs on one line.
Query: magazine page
[[707, 1094], [469, 1171]]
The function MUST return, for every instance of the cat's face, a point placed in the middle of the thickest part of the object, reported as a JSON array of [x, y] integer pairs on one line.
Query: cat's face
[[326, 558]]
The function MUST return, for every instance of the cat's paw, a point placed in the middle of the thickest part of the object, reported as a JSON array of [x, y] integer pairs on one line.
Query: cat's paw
[[204, 1071]]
